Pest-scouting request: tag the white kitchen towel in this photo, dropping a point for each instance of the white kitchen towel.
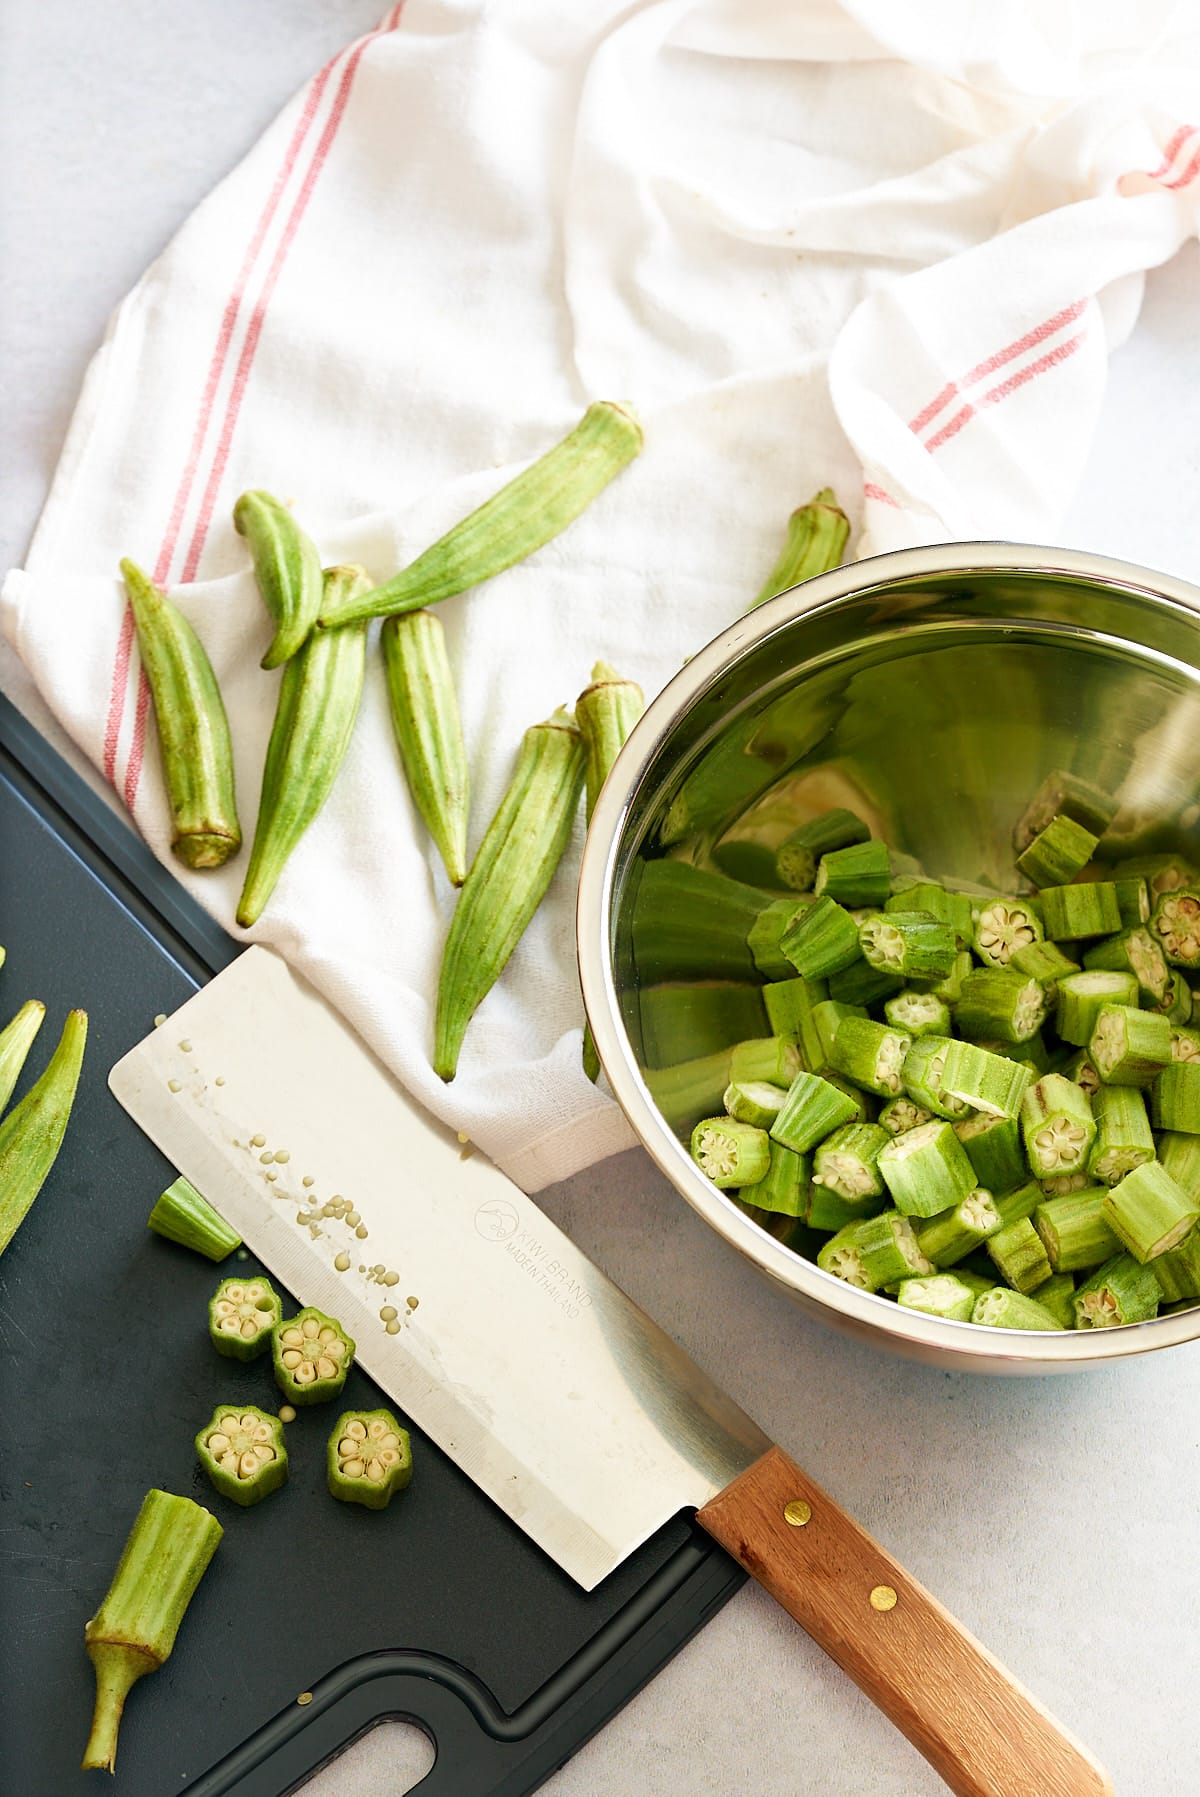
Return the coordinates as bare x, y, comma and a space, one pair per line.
885, 245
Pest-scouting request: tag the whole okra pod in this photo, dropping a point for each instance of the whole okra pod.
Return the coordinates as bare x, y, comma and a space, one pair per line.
508, 878
193, 731
605, 713
32, 1133
16, 1039
287, 568
133, 1631
318, 702
429, 731
526, 513
816, 541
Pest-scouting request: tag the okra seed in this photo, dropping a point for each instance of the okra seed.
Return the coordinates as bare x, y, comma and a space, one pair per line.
267, 1158
412, 1303
185, 1046
391, 1279
286, 1414
271, 1176
342, 1262
308, 1180
174, 1085
258, 1141
329, 1210
393, 1328
160, 1020
463, 1137
282, 1155
797, 1513
352, 1217
361, 1232
302, 1217
388, 1312
353, 1469
883, 1598
220, 1080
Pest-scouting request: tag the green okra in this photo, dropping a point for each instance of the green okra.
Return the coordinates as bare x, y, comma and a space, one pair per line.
428, 731
1070, 913
689, 1090
1003, 927
822, 940
525, 514
1121, 1291
938, 1295
797, 855
685, 1018
912, 944
783, 1188
1002, 1308
181, 1215
862, 984
816, 541
860, 874
605, 713
1178, 1270
828, 1015
1080, 1069
870, 1055
828, 1211
16, 1039
1061, 1185
508, 878
1123, 1135
918, 1013
1180, 1156
193, 731
1021, 1203
765, 934
812, 1109
1067, 795
1057, 1126
1129, 1047
953, 908
1057, 1295
1058, 852
1079, 996
994, 1149
846, 1162
1134, 951
922, 1077
368, 1458
287, 567
950, 988
950, 1235
133, 1631
999, 1002
771, 1058
241, 1315
731, 1153
753, 1101
1076, 1233
242, 1451
1044, 962
1133, 902
318, 702
873, 1252
1177, 1003
1176, 923
691, 924
1162, 873
32, 1132
926, 1170
987, 1082
902, 1113
789, 1005
1149, 1212
1020, 1255
310, 1355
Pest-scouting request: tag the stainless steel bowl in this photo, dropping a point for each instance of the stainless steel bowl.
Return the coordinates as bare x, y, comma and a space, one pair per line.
931, 690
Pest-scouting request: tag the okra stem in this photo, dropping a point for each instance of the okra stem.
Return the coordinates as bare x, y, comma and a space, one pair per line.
816, 541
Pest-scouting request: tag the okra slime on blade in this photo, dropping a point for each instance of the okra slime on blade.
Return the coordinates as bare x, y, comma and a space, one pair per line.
193, 731
318, 702
526, 513
287, 568
428, 731
510, 873
32, 1133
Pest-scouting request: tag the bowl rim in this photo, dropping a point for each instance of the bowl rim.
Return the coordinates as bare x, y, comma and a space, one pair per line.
907, 1330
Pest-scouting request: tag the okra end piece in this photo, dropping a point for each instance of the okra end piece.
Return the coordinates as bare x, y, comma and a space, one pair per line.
207, 848
243, 1453
182, 1215
241, 1315
368, 1459
311, 1354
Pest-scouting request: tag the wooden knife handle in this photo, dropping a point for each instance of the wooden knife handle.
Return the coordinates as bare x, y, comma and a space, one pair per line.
984, 1734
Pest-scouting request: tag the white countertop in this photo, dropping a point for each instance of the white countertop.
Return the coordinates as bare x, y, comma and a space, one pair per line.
1056, 1517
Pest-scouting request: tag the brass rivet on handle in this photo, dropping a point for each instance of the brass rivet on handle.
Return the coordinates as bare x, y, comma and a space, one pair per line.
305, 1697
883, 1598
797, 1513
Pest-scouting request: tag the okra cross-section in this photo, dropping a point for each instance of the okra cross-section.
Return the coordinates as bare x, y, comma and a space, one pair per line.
999, 1003
312, 1355
1121, 1291
874, 1252
1176, 923
368, 1459
989, 1082
870, 1055
910, 943
241, 1315
730, 1152
242, 1452
1057, 1126
1002, 927
1129, 1046
846, 1162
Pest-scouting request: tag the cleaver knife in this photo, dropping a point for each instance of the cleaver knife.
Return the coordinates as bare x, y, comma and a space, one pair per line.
563, 1401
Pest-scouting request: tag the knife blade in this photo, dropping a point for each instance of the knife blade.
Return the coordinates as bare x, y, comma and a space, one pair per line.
564, 1402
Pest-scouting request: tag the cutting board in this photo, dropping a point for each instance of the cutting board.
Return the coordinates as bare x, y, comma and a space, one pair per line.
437, 1609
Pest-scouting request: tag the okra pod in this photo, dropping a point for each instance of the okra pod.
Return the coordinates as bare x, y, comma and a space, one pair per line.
1121, 1291
938, 1295
828, 1016
1149, 1212
771, 1058
768, 930
753, 1101
605, 713
1058, 852
860, 874
133, 1631
525, 514
181, 1215
1075, 1230
812, 1110
926, 1170
1133, 902
1064, 794
994, 1149
789, 1006
870, 1055
287, 567
987, 1082
1044, 962
428, 731
922, 1077
1070, 913
845, 1163
1002, 1308
783, 1188
1175, 1098
1057, 1126
508, 878
1162, 873
1003, 927
953, 908
1123, 1135
950, 1235
1134, 951
1079, 996
1020, 1255
816, 541
691, 924
16, 1039
32, 1132
1023, 1202
1178, 1270
1176, 923
1129, 1047
862, 984
828, 1211
918, 1013
912, 944
873, 1252
823, 938
1180, 1156
193, 731
1057, 1295
999, 1002
689, 1090
318, 701
950, 988
731, 1153
797, 855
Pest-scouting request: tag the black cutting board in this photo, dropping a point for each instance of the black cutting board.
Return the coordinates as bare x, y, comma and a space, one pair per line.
437, 1609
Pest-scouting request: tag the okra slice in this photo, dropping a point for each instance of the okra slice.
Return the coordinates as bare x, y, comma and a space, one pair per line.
1134, 951
1179, 1155
428, 731
900, 1114
846, 1162
865, 1103
1129, 1047
988, 1082
783, 1188
1044, 962
1002, 1308
860, 874
287, 568
1002, 927
771, 1058
1020, 1203
918, 1013
861, 984
913, 944
1176, 923
1080, 1069
1063, 794
953, 908
870, 1055
828, 1212
1057, 1295
182, 1215
997, 1001
768, 930
1079, 996
1178, 1270
828, 1016
134, 1630
1071, 913
1121, 1291
1133, 900
1123, 1135
995, 1150
938, 1295
950, 988
1057, 1126
823, 938
926, 1170
243, 1453
368, 1458
790, 1004
1019, 1255
921, 1077
1175, 1098
797, 856
16, 1039
1148, 1212
311, 1354
730, 1152
812, 1110
873, 1252
950, 1235
1176, 1005
1162, 873
754, 1101
1061, 1185
1058, 852
241, 1315
1075, 1230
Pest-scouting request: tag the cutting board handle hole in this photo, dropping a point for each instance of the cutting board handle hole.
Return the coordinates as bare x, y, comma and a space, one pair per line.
390, 1756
